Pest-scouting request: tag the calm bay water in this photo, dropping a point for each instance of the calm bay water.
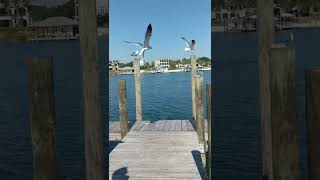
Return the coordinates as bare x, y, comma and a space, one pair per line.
15, 140
236, 132
164, 95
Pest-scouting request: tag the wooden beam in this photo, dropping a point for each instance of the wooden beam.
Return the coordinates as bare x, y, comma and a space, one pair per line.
137, 85
42, 119
93, 131
123, 108
209, 159
265, 30
200, 108
193, 93
283, 114
312, 94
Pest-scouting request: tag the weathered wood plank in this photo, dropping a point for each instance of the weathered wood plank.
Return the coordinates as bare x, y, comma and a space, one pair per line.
137, 85
178, 125
123, 108
156, 155
184, 125
167, 126
283, 114
265, 30
172, 125
312, 93
42, 118
93, 131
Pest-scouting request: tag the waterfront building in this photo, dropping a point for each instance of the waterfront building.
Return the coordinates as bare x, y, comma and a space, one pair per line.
142, 62
9, 16
126, 70
162, 63
55, 28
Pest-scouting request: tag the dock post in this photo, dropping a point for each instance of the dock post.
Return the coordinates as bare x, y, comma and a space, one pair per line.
123, 108
137, 83
200, 114
283, 114
42, 119
209, 159
312, 79
265, 30
93, 129
193, 93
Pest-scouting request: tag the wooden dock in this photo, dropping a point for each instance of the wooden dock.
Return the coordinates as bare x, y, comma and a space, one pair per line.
162, 149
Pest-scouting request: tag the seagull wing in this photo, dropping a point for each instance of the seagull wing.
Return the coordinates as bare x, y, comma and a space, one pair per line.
186, 41
147, 36
136, 43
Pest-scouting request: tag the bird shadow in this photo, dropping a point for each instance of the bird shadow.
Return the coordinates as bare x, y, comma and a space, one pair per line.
113, 144
120, 174
193, 123
130, 124
197, 159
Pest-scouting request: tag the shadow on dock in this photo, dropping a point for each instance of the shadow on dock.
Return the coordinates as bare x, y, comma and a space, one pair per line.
120, 174
112, 145
197, 159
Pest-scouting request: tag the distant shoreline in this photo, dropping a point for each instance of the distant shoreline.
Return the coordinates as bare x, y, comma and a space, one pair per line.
305, 23
112, 73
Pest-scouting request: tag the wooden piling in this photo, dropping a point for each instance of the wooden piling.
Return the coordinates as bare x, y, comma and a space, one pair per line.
283, 114
312, 77
265, 31
209, 159
42, 119
193, 93
93, 131
123, 108
199, 110
137, 83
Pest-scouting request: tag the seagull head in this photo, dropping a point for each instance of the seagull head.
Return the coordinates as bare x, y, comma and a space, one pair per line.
150, 47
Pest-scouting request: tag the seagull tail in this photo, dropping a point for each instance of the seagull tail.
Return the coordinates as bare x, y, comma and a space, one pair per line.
187, 49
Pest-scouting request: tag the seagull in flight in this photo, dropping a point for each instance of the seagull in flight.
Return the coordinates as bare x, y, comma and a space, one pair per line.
145, 46
190, 45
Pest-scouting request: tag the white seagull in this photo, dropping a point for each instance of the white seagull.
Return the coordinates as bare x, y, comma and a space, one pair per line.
145, 46
190, 46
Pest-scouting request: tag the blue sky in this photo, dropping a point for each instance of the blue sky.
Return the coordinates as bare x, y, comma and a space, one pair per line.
170, 19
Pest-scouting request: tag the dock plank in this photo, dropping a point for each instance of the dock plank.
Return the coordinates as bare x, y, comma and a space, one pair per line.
160, 154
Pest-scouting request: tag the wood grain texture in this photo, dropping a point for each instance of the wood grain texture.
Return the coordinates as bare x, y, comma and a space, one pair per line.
93, 131
156, 155
123, 109
312, 95
283, 114
137, 85
265, 29
42, 119
199, 109
193, 92
209, 159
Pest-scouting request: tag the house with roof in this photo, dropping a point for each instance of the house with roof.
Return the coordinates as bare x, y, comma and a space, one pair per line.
55, 28
10, 17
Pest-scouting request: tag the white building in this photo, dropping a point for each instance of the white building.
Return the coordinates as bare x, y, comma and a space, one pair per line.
142, 62
162, 63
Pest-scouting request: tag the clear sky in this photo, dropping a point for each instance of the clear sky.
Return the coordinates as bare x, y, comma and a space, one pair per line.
170, 19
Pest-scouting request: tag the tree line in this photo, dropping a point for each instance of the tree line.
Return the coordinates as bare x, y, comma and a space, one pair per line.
302, 5
205, 61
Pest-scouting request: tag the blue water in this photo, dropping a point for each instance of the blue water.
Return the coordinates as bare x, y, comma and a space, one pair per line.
15, 141
164, 95
236, 132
